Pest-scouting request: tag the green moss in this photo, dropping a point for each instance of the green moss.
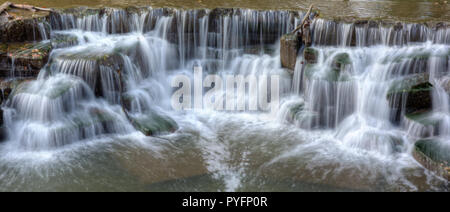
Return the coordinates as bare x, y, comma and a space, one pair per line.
153, 123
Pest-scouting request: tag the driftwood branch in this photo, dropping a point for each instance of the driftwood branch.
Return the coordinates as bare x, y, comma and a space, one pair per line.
304, 19
31, 8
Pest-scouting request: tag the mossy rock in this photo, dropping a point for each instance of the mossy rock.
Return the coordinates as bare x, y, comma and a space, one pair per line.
152, 124
310, 55
58, 88
289, 47
412, 94
406, 83
341, 60
331, 74
424, 118
434, 154
8, 86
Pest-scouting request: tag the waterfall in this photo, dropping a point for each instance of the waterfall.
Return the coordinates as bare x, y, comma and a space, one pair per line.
348, 90
111, 79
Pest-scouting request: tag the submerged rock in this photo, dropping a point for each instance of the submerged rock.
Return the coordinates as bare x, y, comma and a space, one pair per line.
421, 124
310, 55
290, 45
340, 61
63, 40
434, 155
24, 26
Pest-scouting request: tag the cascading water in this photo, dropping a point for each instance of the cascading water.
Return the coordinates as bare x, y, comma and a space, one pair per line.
86, 115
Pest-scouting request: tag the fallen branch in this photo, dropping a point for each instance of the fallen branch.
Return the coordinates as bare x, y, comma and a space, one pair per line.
304, 19
31, 8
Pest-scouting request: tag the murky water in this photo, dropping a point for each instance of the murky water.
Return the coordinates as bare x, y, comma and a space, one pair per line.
406, 10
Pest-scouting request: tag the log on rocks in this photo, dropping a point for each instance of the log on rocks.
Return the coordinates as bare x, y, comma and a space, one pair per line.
31, 8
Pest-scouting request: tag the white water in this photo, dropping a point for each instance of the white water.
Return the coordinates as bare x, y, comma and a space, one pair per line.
67, 129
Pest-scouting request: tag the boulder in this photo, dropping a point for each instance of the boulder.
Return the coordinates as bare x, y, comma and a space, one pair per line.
63, 40
290, 45
100, 70
434, 154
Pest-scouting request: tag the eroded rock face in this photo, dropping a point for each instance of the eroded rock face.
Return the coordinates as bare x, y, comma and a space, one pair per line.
290, 45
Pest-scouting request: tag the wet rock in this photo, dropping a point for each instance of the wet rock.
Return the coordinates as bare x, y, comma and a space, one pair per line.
310, 55
290, 45
412, 94
99, 70
8, 85
26, 58
434, 154
24, 26
445, 84
421, 124
63, 40
341, 61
